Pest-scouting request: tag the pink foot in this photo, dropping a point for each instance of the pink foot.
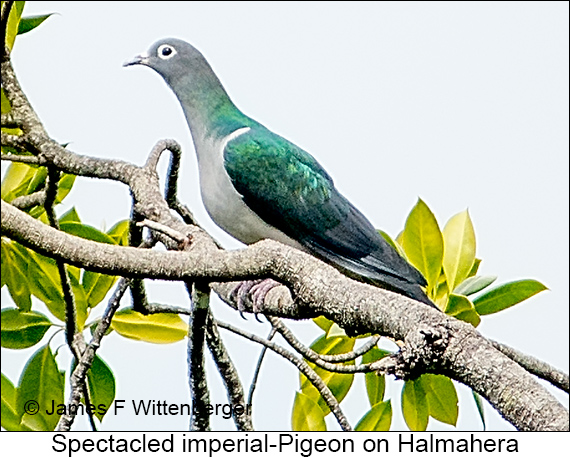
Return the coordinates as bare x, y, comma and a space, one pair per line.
257, 290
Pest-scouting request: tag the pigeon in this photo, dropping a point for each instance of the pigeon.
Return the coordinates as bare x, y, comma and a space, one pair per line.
257, 185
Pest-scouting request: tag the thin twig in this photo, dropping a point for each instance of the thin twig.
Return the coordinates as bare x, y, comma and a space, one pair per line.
24, 202
70, 312
223, 361
136, 285
155, 308
241, 411
138, 292
74, 338
537, 367
171, 190
303, 367
345, 357
180, 238
79, 374
313, 356
253, 385
31, 160
200, 419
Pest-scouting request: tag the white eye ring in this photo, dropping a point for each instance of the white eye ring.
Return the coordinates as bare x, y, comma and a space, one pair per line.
166, 51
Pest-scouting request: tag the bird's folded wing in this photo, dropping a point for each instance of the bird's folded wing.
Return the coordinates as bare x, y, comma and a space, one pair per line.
287, 188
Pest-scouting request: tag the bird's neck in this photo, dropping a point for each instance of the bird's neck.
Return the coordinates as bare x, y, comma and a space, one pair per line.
207, 106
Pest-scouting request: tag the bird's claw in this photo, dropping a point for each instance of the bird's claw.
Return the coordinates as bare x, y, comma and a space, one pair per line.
257, 290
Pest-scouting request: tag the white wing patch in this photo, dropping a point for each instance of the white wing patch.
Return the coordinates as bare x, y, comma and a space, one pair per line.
234, 135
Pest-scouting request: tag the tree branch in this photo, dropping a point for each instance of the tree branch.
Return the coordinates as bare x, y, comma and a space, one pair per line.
200, 419
31, 160
79, 374
319, 289
313, 356
229, 376
258, 367
74, 338
537, 367
303, 367
24, 202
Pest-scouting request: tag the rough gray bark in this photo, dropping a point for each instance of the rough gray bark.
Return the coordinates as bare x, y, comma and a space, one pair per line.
433, 342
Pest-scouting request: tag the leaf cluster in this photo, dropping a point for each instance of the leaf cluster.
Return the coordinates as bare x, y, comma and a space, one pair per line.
448, 261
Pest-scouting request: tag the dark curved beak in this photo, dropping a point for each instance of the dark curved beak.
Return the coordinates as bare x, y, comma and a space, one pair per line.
141, 59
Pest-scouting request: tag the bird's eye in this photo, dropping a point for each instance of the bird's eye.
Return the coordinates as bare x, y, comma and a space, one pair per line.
166, 51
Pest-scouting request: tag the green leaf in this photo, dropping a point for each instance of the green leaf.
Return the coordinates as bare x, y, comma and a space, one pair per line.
335, 330
85, 231
307, 415
97, 286
5, 106
120, 232
101, 386
456, 304
21, 329
462, 308
42, 382
64, 186
459, 252
441, 295
480, 408
378, 419
423, 243
37, 180
13, 22
154, 328
35, 423
474, 284
324, 323
23, 179
45, 283
15, 273
70, 216
338, 383
507, 295
475, 268
441, 398
375, 384
17, 180
415, 406
79, 299
31, 22
93, 325
10, 416
400, 238
470, 316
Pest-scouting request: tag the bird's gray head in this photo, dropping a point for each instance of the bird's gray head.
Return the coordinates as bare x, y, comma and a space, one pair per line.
173, 59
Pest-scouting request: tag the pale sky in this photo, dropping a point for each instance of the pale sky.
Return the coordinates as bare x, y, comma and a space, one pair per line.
464, 104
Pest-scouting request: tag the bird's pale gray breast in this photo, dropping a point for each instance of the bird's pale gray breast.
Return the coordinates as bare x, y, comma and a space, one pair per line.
223, 203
